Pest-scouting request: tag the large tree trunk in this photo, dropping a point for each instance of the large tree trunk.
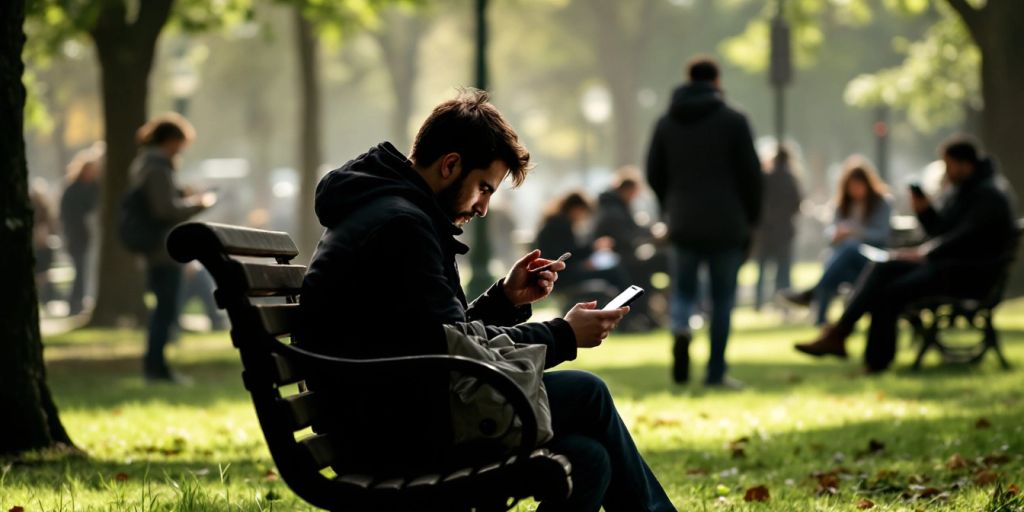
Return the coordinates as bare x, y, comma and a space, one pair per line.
31, 416
125, 53
309, 137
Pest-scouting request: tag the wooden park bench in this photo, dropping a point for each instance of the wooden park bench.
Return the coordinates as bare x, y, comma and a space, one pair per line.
259, 288
931, 316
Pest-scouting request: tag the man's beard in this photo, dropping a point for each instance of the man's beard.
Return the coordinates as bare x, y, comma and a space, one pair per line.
448, 198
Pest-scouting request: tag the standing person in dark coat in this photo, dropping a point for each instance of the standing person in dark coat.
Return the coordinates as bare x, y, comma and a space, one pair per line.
704, 169
80, 199
970, 238
161, 140
776, 233
383, 282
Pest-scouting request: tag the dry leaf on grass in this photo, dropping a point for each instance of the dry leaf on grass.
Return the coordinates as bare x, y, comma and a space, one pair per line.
16, 508
865, 504
121, 477
986, 477
757, 493
982, 424
956, 462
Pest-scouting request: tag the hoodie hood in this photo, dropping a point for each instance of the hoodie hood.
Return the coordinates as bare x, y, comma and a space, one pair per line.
381, 171
694, 101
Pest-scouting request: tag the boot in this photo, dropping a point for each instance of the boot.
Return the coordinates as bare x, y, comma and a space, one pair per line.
831, 342
681, 358
799, 298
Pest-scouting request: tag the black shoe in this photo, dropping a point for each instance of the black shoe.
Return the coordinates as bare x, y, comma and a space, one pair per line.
681, 358
798, 298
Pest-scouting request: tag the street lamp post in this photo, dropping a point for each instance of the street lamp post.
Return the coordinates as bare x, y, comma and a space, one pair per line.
781, 72
480, 256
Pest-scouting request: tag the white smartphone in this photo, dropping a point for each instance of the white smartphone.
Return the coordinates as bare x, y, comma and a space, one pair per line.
625, 298
873, 253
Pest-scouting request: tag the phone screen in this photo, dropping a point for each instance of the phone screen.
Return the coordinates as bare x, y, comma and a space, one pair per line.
625, 298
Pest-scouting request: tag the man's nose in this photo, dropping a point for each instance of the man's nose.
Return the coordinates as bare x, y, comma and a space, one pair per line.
480, 208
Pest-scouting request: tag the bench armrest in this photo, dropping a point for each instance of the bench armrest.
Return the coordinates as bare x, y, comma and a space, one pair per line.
482, 370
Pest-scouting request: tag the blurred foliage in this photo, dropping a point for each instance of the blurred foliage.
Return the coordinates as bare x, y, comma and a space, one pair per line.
939, 77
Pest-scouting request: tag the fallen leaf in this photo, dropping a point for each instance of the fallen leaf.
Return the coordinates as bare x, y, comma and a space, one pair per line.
982, 423
928, 492
828, 483
121, 477
865, 504
271, 476
1013, 490
956, 462
996, 459
17, 509
875, 446
986, 477
758, 493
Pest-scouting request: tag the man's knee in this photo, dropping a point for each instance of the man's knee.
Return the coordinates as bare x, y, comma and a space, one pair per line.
589, 386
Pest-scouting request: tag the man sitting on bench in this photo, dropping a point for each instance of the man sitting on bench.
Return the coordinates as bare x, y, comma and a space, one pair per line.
384, 280
972, 231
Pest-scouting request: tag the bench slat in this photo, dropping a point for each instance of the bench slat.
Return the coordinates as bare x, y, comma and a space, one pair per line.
266, 280
320, 448
241, 241
300, 410
278, 319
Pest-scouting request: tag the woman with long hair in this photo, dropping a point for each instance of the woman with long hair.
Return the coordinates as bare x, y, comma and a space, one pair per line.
863, 207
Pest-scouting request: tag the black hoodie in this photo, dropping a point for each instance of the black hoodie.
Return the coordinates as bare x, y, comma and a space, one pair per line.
383, 278
382, 282
976, 226
703, 167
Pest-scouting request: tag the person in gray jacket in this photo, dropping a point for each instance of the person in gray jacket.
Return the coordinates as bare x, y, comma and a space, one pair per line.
863, 208
704, 169
160, 141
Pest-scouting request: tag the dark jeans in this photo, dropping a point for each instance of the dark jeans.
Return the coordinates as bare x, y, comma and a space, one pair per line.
886, 289
723, 267
843, 266
165, 282
79, 260
607, 468
782, 257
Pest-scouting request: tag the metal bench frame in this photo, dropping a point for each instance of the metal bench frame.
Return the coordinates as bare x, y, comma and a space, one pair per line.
249, 265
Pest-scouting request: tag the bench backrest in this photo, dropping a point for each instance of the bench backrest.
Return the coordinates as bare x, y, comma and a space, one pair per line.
259, 288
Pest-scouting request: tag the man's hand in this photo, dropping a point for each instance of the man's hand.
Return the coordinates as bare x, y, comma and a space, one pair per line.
912, 254
919, 203
525, 287
592, 325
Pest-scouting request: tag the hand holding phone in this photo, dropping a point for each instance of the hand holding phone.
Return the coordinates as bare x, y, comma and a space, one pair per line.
551, 264
915, 190
625, 298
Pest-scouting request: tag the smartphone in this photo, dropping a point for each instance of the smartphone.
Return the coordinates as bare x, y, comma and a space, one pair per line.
549, 265
916, 190
625, 298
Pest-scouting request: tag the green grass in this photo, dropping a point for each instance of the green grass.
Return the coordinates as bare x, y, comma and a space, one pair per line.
199, 448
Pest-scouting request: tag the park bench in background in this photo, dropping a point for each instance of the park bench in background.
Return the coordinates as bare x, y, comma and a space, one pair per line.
930, 316
259, 289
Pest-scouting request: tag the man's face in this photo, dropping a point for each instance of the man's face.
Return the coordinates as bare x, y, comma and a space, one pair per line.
957, 171
470, 194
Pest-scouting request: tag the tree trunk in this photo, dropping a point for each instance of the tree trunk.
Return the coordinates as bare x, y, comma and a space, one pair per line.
400, 45
309, 137
125, 54
32, 420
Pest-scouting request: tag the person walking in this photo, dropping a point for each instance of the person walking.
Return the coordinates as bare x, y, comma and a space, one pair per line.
704, 169
77, 204
782, 198
152, 175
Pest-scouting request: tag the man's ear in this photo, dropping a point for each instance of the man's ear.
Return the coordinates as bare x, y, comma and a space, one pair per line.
451, 165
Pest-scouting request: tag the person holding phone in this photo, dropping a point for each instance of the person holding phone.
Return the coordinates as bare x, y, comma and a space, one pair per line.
383, 281
968, 237
862, 211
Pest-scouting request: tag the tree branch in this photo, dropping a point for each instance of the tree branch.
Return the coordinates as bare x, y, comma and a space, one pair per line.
970, 15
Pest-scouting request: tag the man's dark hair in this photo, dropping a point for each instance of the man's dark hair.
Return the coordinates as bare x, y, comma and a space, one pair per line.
160, 129
963, 148
472, 127
702, 69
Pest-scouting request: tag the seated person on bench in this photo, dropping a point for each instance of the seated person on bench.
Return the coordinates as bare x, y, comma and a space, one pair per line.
967, 236
383, 281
